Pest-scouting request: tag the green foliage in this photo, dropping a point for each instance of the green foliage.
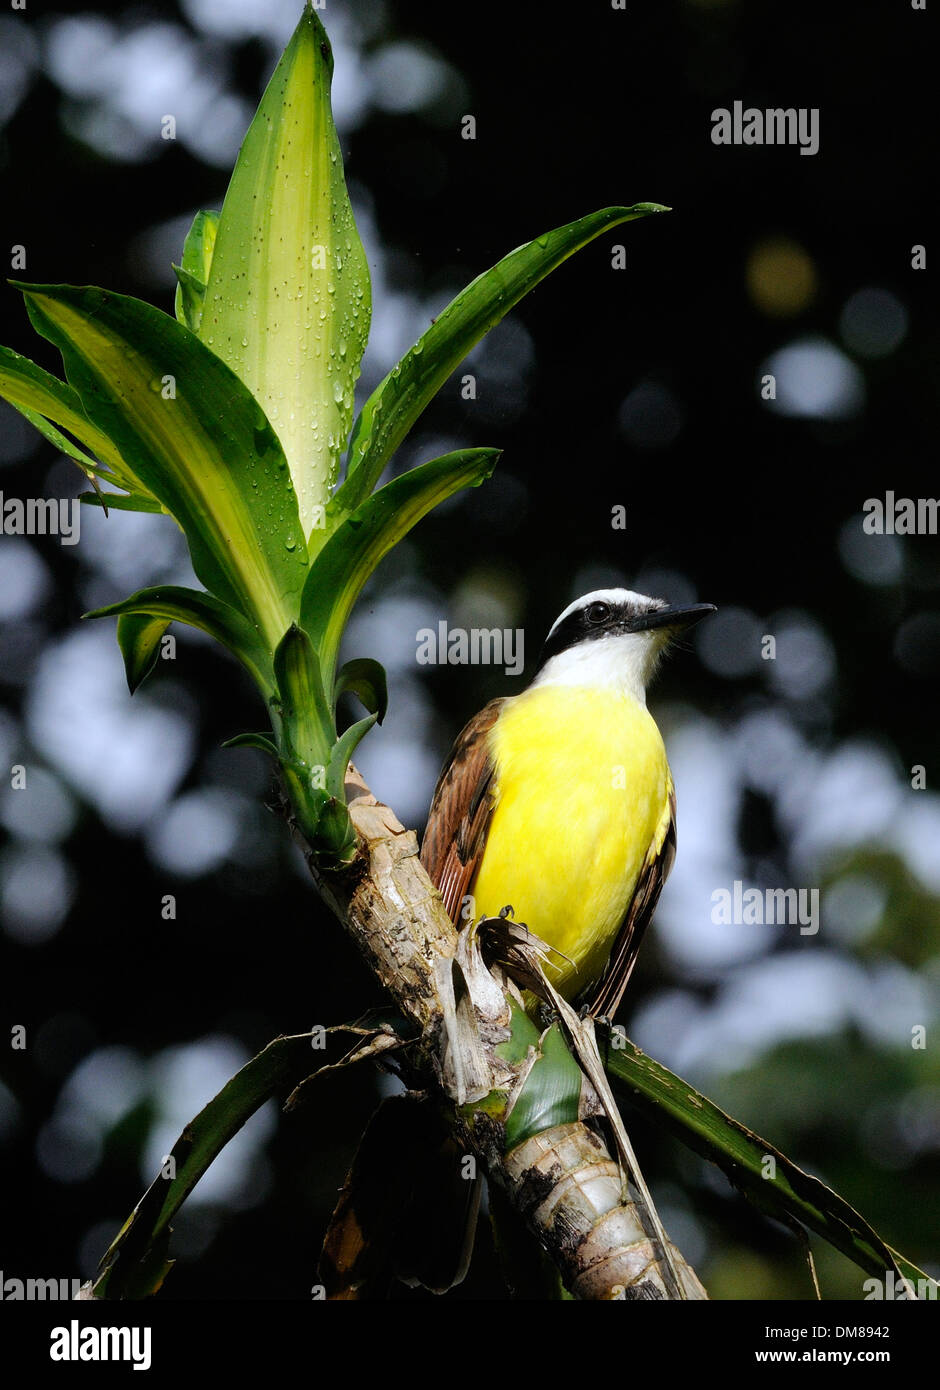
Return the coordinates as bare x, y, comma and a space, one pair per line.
366, 679
135, 1263
49, 403
288, 301
233, 418
195, 438
172, 603
765, 1175
366, 535
139, 636
399, 400
193, 274
551, 1092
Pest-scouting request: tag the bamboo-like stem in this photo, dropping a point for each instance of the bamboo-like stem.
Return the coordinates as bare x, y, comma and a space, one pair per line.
564, 1183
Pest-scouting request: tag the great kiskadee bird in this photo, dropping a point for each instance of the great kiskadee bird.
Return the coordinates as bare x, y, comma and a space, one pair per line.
559, 801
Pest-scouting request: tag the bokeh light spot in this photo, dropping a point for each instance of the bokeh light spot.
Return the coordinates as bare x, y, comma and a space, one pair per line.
781, 277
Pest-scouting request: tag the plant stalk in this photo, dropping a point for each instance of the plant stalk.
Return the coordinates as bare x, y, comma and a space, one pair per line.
564, 1183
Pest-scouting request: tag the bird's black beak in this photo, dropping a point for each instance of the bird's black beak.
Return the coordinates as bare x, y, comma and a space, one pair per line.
680, 616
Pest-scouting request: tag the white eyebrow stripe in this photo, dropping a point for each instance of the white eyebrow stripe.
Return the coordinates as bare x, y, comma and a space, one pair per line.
615, 596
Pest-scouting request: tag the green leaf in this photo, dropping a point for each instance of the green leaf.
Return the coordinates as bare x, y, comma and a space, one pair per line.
343, 750
523, 1035
199, 246
551, 1093
313, 761
141, 1242
171, 603
742, 1155
206, 452
89, 466
262, 741
190, 297
335, 839
193, 274
398, 401
139, 636
288, 300
366, 678
303, 705
359, 543
122, 501
43, 399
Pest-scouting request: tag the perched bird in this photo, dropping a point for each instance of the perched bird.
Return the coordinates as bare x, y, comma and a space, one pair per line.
559, 801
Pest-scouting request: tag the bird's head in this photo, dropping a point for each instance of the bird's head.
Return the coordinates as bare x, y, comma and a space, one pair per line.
613, 638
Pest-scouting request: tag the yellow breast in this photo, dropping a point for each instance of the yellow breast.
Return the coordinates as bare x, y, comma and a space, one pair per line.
581, 791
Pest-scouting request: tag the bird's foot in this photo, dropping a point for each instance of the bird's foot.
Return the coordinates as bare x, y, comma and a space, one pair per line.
545, 1015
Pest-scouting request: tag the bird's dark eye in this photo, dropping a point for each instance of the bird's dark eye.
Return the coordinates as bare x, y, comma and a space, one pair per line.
597, 612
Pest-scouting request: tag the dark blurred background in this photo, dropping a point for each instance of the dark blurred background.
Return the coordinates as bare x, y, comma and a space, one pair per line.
636, 387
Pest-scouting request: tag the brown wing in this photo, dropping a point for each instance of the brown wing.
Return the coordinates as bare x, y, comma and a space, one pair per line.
608, 991
460, 811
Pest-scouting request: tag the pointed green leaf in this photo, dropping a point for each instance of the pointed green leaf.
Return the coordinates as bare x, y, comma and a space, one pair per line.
306, 734
288, 300
359, 543
195, 437
398, 401
366, 678
139, 636
303, 704
335, 840
43, 399
305, 784
343, 750
122, 501
89, 466
551, 1093
282, 1064
700, 1124
262, 741
190, 297
193, 274
199, 246
171, 603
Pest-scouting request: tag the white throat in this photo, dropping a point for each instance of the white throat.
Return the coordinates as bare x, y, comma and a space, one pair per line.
623, 663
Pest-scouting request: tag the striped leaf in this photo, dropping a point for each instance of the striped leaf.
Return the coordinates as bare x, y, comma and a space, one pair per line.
171, 603
398, 401
305, 733
49, 403
125, 1268
359, 543
190, 297
303, 703
193, 435
288, 302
